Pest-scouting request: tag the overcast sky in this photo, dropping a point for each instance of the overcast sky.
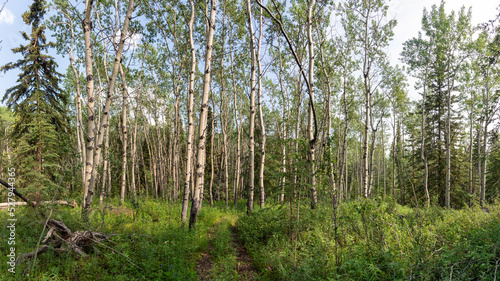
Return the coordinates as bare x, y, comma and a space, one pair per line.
408, 13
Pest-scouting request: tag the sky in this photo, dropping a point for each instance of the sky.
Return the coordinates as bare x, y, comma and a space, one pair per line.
408, 13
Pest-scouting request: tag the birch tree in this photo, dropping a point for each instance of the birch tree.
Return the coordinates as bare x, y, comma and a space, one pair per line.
94, 153
189, 145
201, 156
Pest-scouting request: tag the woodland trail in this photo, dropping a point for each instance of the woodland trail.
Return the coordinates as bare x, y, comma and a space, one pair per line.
241, 268
204, 265
246, 269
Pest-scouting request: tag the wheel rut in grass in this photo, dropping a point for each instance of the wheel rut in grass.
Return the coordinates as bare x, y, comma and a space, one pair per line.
213, 266
245, 267
204, 265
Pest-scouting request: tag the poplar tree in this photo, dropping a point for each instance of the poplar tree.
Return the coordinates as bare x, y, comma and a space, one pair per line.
40, 107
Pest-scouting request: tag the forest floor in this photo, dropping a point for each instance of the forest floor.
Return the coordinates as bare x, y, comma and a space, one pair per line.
367, 239
225, 251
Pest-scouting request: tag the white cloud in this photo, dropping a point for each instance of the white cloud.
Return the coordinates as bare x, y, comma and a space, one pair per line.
6, 16
131, 41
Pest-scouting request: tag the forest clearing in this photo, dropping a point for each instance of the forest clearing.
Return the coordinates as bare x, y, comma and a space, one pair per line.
249, 140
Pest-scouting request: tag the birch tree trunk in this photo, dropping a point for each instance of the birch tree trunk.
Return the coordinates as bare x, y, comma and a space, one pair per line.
285, 127
94, 153
201, 157
252, 111
329, 128
366, 75
125, 137
311, 120
261, 118
89, 164
105, 170
238, 129
189, 148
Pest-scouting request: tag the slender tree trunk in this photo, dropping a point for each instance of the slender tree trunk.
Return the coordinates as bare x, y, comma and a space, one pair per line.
105, 169
311, 120
261, 118
252, 111
134, 152
201, 157
448, 152
383, 159
471, 148
238, 129
134, 140
367, 84
212, 166
372, 150
189, 148
224, 113
343, 150
78, 102
423, 156
394, 156
297, 133
332, 182
89, 165
483, 156
125, 137
285, 123
94, 154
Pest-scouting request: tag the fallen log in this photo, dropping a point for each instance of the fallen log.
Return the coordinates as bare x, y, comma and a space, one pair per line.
6, 205
59, 237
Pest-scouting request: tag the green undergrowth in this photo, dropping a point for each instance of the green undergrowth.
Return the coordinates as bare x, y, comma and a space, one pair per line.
150, 234
374, 240
371, 240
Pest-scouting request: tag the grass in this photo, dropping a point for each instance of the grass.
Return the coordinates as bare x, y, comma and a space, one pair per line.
223, 253
150, 235
372, 240
375, 241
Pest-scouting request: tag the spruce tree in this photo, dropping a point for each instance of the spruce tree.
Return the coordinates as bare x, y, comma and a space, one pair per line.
40, 106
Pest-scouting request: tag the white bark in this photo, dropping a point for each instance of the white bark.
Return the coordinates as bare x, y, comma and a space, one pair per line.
201, 157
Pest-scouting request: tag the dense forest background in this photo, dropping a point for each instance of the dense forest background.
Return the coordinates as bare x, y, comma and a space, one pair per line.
294, 105
200, 102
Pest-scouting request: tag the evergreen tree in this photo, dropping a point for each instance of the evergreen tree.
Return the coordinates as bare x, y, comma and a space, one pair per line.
40, 108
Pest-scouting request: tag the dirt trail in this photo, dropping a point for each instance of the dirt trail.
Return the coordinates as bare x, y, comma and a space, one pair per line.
204, 265
246, 269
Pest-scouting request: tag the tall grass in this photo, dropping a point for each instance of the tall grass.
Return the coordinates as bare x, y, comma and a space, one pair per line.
150, 234
376, 240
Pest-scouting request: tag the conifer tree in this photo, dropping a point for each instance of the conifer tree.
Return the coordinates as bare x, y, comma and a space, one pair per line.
40, 108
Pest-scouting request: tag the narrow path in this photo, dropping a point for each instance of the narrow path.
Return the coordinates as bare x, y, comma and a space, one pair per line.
245, 268
209, 269
204, 265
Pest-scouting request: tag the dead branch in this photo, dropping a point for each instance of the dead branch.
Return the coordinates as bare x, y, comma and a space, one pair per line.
59, 236
6, 205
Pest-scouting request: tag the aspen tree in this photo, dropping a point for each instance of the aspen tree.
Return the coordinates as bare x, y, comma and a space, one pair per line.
252, 111
312, 120
238, 129
201, 157
94, 153
125, 136
190, 137
261, 117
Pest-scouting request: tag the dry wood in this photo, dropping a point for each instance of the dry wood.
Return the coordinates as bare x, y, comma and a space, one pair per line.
6, 205
60, 237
